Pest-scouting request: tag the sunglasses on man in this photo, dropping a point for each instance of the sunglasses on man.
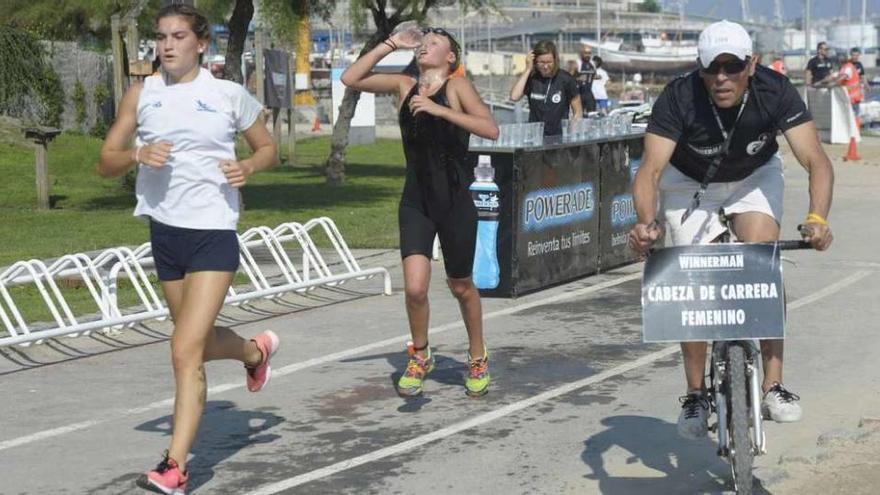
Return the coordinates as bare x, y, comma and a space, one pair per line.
731, 67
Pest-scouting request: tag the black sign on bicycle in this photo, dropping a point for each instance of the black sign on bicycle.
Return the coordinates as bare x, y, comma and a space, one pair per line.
713, 292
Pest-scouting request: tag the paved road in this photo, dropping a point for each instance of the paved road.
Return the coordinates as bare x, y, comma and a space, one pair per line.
578, 403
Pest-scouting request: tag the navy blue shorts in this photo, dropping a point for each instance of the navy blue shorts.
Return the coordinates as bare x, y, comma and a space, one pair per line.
178, 251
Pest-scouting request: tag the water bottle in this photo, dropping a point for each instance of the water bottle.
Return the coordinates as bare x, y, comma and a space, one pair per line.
409, 32
484, 192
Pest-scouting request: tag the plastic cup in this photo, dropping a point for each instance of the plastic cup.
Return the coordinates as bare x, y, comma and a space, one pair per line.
507, 135
518, 135
627, 122
534, 130
528, 137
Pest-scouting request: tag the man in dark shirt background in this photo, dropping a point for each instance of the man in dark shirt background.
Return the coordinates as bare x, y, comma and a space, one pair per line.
818, 73
585, 76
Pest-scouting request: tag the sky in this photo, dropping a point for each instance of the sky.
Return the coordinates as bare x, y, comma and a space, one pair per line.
792, 9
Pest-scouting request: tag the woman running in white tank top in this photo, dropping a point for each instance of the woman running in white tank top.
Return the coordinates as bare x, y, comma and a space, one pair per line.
187, 189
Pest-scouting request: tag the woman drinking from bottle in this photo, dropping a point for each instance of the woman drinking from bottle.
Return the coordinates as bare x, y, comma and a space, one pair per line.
437, 114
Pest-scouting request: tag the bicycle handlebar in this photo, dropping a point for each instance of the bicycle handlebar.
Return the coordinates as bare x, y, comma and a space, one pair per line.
786, 245
790, 245
795, 244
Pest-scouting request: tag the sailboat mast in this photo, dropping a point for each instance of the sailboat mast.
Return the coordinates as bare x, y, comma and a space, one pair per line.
598, 27
862, 28
807, 28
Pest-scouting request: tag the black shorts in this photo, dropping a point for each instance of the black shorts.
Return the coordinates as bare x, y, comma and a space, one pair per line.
588, 103
178, 251
457, 231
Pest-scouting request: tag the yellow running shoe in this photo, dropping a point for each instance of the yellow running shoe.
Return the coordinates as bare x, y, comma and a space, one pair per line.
417, 368
477, 381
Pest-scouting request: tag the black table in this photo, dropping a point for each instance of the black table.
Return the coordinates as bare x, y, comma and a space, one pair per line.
565, 210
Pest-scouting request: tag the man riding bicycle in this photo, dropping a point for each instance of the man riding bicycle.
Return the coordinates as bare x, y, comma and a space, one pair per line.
717, 128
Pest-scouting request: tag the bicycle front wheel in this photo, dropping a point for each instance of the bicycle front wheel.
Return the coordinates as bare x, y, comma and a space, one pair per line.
741, 452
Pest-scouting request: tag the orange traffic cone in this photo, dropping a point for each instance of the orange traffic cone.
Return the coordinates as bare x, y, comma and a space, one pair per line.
852, 154
317, 125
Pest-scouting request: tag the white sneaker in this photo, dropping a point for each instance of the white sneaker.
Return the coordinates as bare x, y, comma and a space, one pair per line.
780, 405
693, 422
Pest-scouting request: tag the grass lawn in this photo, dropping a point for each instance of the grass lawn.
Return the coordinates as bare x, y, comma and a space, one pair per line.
93, 213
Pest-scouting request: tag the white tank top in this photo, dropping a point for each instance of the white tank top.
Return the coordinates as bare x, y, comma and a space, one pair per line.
200, 118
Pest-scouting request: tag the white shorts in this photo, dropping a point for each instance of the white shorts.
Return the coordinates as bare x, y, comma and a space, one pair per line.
760, 192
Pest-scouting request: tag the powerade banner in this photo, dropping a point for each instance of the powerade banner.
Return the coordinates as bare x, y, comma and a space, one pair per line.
277, 80
557, 216
620, 160
713, 292
547, 208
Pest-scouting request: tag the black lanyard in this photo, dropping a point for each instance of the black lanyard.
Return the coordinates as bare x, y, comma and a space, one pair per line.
549, 86
716, 162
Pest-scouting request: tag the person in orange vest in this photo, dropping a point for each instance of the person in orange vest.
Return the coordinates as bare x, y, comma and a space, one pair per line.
856, 53
778, 65
849, 78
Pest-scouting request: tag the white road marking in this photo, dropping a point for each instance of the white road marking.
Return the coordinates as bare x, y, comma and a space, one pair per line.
329, 358
464, 425
830, 289
482, 419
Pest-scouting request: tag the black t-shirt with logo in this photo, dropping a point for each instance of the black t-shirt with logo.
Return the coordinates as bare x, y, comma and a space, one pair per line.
820, 68
549, 99
683, 113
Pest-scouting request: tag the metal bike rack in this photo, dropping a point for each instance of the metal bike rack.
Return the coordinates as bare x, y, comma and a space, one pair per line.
296, 266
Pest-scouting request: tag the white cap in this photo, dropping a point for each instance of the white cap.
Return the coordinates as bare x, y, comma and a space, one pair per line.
723, 37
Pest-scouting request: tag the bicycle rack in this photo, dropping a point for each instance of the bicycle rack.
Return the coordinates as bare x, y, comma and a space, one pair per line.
288, 244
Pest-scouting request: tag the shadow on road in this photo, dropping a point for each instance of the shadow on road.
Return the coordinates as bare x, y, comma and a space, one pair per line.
224, 431
685, 466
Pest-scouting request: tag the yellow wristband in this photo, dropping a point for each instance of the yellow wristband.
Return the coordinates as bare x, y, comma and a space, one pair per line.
816, 218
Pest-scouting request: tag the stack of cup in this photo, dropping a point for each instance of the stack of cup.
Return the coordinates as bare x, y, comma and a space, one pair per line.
627, 122
538, 133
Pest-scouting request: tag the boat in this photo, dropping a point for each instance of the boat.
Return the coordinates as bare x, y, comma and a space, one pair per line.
653, 53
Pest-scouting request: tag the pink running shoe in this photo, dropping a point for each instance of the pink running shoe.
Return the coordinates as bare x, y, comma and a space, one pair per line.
166, 478
258, 376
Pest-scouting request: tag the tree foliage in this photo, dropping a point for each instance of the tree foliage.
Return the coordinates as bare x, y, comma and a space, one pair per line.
71, 20
89, 20
651, 6
385, 17
282, 15
30, 89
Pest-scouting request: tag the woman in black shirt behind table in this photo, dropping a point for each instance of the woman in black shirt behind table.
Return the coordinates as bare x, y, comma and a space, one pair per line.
551, 91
